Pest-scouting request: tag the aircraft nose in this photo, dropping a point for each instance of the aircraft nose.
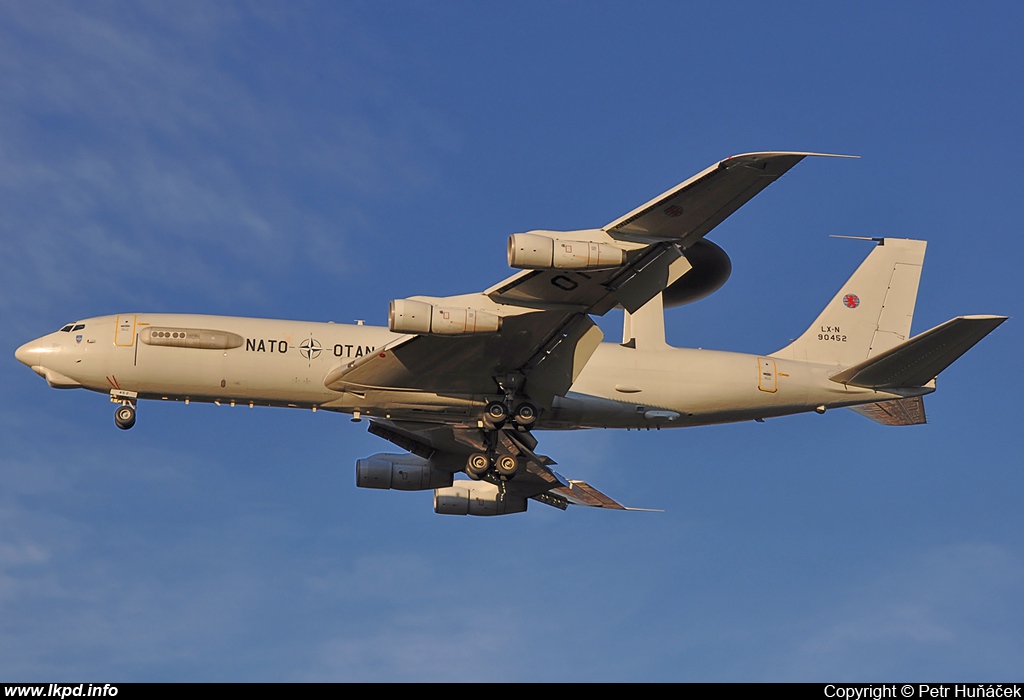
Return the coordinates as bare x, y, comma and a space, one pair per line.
28, 354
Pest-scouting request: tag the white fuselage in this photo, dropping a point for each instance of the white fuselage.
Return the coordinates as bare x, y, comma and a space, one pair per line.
267, 362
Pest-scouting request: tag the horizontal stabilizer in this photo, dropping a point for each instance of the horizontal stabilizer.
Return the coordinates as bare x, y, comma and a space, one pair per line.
917, 361
909, 411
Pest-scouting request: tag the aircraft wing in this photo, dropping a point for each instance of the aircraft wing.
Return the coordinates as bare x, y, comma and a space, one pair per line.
447, 447
546, 349
663, 228
651, 270
691, 209
546, 335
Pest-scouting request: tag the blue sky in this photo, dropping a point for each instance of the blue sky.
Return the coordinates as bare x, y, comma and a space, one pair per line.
318, 160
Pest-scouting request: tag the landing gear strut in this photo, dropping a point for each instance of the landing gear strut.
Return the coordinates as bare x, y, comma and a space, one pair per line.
124, 416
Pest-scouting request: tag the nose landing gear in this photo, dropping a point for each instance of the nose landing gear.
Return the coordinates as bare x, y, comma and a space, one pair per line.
124, 416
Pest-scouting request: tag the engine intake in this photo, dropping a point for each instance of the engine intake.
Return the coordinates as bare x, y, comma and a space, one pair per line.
421, 318
404, 472
476, 498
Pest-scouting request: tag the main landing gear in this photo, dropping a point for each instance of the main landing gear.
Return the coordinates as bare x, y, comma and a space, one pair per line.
480, 463
497, 415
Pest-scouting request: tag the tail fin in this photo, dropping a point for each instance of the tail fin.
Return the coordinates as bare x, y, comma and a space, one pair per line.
871, 313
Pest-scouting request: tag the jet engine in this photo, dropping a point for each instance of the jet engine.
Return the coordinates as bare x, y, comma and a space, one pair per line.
532, 251
476, 498
405, 472
421, 318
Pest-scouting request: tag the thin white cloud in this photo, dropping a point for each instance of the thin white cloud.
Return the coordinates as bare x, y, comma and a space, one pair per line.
414, 651
148, 147
943, 611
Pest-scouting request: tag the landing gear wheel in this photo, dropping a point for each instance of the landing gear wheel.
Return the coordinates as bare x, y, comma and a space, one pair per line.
124, 417
477, 465
496, 413
526, 415
507, 467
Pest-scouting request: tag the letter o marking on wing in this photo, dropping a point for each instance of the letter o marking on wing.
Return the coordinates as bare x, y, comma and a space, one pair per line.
564, 283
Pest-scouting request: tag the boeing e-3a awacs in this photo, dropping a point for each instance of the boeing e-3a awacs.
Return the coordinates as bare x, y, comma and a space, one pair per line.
461, 383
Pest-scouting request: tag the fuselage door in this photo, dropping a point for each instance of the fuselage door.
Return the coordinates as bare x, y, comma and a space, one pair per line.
124, 334
767, 378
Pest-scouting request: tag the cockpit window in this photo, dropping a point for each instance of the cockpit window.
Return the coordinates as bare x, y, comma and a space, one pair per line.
78, 327
67, 328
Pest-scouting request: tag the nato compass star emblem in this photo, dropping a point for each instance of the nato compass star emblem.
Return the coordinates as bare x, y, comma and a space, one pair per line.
310, 349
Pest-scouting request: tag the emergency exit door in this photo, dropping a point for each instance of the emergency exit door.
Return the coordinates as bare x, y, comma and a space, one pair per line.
767, 379
124, 334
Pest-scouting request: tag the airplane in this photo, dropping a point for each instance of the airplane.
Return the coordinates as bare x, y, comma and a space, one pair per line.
462, 383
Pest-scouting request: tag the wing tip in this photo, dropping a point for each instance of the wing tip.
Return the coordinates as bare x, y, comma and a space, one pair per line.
580, 493
985, 317
802, 154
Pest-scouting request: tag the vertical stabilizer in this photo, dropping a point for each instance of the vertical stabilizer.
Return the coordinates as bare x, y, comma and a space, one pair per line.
871, 312
645, 329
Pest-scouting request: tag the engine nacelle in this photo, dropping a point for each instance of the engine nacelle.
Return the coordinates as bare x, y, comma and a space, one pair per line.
532, 251
404, 472
476, 498
421, 318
